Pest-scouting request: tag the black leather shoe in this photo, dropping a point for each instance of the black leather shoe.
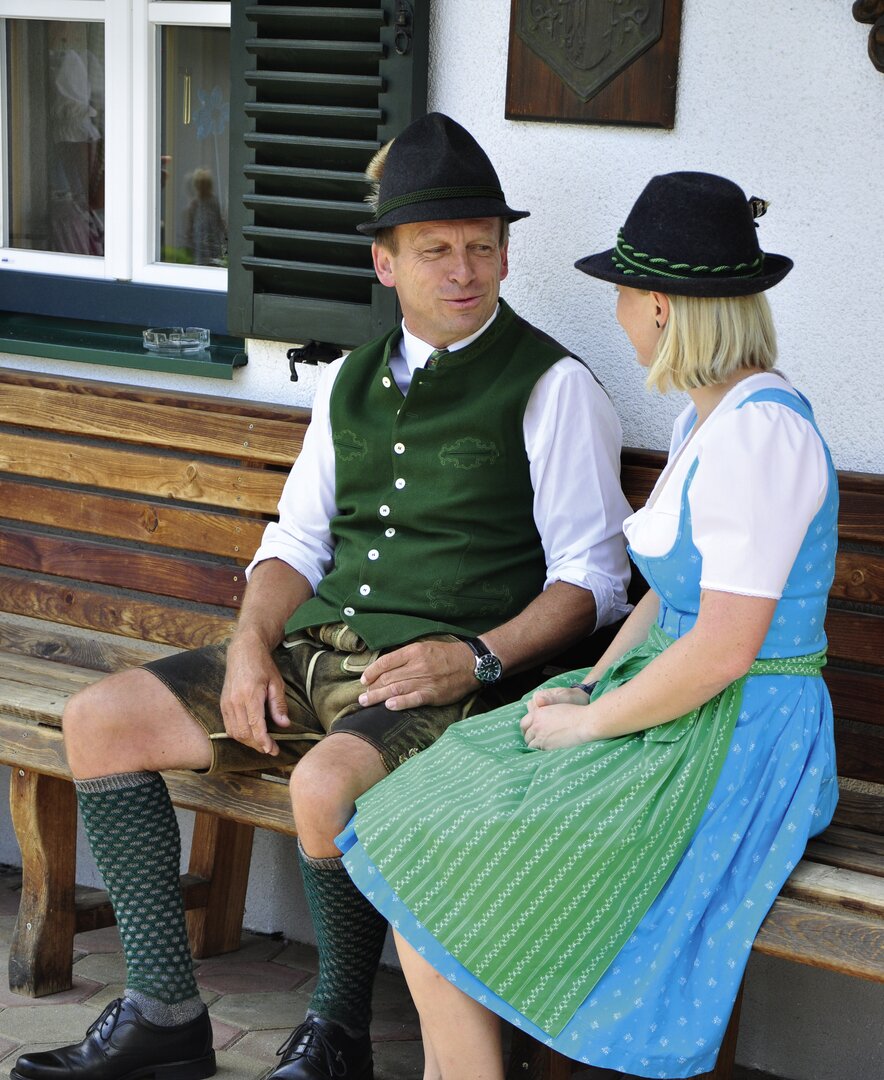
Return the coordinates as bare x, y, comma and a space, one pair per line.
320, 1049
122, 1045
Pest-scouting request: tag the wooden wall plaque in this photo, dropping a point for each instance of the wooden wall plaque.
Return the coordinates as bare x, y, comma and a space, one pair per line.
594, 61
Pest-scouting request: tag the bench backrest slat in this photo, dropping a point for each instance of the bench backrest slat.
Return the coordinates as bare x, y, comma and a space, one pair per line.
257, 439
190, 578
153, 523
112, 611
149, 472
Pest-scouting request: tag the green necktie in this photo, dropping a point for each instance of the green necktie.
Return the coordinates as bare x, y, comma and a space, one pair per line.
434, 357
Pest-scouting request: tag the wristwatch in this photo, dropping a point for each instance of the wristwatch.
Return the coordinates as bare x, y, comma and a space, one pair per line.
488, 667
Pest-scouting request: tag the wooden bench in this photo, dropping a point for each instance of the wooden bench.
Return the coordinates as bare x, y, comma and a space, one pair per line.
830, 913
129, 515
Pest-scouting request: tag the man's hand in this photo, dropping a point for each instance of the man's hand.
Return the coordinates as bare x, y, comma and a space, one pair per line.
253, 688
556, 719
423, 673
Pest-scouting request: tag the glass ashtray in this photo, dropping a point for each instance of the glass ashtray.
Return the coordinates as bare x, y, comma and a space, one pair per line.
177, 339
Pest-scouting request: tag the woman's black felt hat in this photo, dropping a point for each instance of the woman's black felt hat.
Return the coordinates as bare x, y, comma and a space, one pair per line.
436, 171
690, 234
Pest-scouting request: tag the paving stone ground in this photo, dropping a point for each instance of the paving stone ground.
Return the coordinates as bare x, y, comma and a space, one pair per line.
255, 997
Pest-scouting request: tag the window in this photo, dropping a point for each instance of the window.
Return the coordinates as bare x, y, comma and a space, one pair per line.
202, 161
115, 140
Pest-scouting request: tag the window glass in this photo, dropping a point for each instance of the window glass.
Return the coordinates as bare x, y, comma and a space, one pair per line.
194, 125
55, 95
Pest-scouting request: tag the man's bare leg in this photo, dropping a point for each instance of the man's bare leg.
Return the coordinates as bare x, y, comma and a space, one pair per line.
349, 932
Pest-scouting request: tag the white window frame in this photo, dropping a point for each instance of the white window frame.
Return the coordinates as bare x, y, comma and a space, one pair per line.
131, 38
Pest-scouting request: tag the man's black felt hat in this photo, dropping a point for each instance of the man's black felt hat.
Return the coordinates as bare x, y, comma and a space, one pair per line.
436, 171
690, 234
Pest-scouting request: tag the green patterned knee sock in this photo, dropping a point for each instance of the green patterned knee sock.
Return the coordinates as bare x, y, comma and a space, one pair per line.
350, 935
133, 833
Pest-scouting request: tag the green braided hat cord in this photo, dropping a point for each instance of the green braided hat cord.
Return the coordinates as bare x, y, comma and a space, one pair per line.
629, 261
431, 194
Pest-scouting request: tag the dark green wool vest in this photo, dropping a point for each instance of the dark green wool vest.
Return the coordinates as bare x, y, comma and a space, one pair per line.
435, 529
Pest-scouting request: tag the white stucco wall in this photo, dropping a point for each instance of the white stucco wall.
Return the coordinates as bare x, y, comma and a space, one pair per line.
780, 96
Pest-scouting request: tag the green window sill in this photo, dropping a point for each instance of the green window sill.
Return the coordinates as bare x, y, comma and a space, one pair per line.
113, 345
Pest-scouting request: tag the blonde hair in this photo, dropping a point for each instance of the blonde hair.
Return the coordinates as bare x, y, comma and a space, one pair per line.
707, 339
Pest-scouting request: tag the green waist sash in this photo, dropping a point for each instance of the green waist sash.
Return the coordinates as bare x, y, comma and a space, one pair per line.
533, 867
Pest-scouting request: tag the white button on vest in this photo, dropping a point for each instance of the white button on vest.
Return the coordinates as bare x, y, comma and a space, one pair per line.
399, 447
400, 483
365, 589
390, 532
386, 382
384, 510
349, 612
374, 554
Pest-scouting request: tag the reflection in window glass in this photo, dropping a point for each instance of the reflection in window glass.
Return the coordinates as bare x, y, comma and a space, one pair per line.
194, 145
56, 135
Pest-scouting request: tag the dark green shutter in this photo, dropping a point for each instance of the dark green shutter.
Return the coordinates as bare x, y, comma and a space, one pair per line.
317, 88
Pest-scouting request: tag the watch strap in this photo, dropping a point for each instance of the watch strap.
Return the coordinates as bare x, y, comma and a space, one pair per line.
478, 646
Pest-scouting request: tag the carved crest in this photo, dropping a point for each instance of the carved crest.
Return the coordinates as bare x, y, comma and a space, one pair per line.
588, 42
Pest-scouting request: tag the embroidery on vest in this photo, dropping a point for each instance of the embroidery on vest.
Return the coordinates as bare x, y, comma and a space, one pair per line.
349, 446
469, 453
492, 600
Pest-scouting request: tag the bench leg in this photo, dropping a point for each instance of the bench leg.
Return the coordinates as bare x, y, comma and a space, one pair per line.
44, 814
531, 1060
220, 853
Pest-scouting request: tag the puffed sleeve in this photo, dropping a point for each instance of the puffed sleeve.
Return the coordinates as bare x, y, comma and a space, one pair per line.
761, 477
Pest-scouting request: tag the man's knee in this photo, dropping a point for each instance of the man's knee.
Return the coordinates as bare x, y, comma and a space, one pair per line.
327, 781
129, 722
92, 706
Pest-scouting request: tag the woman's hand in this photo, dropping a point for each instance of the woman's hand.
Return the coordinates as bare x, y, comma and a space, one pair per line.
556, 719
560, 695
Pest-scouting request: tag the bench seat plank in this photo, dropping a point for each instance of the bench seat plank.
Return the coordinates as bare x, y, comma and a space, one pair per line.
246, 798
822, 938
90, 649
32, 671
836, 886
832, 850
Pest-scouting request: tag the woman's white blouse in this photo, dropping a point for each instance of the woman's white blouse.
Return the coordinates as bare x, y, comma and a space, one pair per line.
761, 477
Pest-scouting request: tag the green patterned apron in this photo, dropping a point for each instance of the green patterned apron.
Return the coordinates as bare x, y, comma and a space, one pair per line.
533, 867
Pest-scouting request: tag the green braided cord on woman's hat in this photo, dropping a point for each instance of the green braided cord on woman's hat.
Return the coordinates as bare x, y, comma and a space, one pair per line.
431, 194
630, 261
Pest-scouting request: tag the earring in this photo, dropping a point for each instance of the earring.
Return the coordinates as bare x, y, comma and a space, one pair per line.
657, 323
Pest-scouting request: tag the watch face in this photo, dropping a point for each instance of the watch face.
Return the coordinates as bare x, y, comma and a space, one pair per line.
488, 668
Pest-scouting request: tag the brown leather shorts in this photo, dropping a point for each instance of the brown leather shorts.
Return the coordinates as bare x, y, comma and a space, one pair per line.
321, 669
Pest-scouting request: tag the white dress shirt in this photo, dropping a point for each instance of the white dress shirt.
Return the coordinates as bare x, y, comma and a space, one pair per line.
747, 531
572, 439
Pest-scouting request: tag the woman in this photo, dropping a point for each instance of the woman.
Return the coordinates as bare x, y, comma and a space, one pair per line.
592, 864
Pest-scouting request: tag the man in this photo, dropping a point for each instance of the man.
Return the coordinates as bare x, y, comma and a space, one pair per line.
454, 516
